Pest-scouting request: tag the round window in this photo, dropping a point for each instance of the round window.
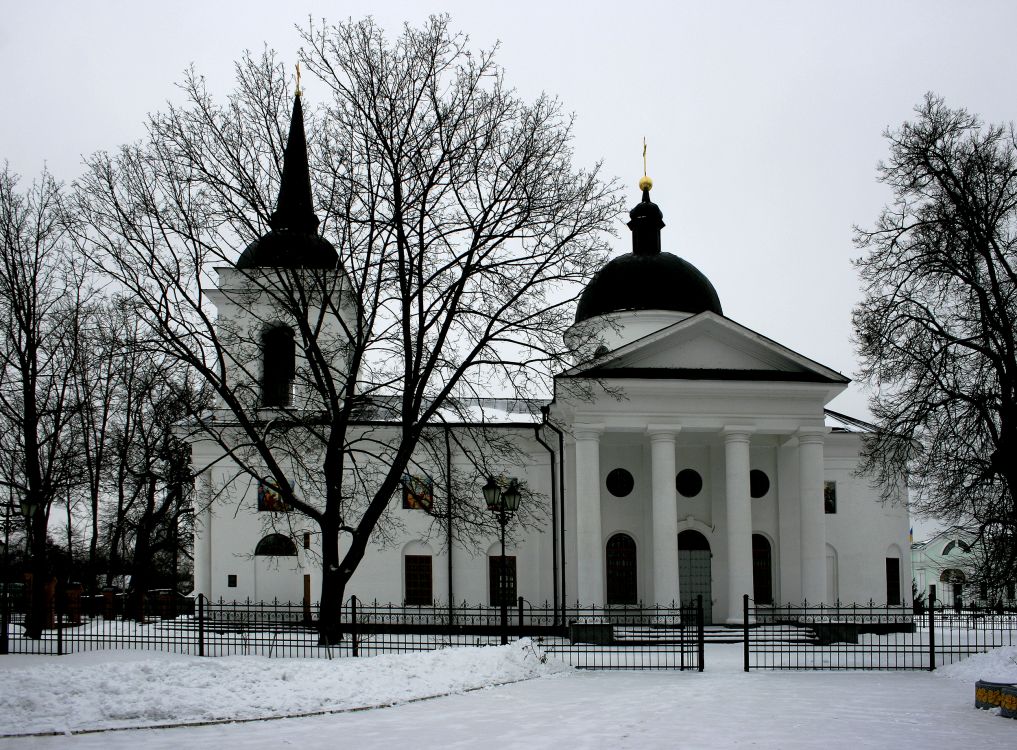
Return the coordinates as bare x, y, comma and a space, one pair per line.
619, 482
688, 483
759, 483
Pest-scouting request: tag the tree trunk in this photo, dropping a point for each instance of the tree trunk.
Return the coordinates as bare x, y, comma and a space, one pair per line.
141, 564
333, 587
37, 616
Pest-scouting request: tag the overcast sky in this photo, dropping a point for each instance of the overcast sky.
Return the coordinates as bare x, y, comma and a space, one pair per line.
764, 119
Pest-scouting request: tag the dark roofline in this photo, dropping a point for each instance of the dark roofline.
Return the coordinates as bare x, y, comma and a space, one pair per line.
689, 373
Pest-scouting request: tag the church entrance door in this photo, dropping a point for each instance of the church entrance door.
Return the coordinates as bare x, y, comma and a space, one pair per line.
762, 570
694, 571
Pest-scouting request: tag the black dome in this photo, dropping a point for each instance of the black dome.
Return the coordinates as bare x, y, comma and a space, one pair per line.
648, 282
646, 278
284, 248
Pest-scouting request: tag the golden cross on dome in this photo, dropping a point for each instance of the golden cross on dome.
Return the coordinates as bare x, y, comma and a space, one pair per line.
645, 183
299, 92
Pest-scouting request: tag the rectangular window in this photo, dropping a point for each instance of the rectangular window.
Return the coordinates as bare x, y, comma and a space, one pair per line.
892, 580
269, 498
418, 580
502, 590
307, 540
231, 581
830, 497
418, 492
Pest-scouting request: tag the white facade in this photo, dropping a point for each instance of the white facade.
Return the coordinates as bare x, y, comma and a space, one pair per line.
702, 394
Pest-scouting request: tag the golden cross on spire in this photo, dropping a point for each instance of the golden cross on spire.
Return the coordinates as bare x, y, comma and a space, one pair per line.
299, 92
645, 183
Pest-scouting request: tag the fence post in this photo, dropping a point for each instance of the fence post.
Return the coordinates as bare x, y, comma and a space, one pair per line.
354, 645
932, 627
520, 612
58, 600
744, 631
201, 624
700, 631
5, 614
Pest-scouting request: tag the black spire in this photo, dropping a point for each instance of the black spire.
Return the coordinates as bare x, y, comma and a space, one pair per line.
293, 241
294, 210
646, 221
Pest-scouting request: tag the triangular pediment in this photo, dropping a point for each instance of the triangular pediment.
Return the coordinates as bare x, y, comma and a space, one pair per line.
707, 346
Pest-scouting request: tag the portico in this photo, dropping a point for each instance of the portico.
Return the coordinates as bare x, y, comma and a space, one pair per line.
653, 511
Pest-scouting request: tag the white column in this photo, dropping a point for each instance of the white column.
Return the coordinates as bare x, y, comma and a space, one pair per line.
810, 487
665, 515
739, 519
589, 537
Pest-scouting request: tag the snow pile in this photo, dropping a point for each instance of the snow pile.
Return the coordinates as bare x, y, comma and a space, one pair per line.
996, 665
117, 689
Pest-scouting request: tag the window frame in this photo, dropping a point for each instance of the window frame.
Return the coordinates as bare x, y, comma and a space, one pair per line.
830, 497
495, 590
278, 366
622, 575
418, 585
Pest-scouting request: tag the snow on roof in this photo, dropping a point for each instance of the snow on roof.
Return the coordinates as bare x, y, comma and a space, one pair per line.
843, 423
494, 410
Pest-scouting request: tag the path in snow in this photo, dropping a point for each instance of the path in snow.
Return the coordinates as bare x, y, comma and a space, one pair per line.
722, 707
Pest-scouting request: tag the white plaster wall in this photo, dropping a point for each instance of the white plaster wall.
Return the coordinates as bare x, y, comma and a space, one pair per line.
861, 532
864, 528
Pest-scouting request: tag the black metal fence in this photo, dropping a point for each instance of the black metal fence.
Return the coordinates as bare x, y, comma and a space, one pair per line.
869, 636
586, 637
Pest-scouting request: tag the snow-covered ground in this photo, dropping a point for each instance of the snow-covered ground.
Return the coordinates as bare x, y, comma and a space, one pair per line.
505, 697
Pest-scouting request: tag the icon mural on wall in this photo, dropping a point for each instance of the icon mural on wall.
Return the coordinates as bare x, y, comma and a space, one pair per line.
418, 492
269, 497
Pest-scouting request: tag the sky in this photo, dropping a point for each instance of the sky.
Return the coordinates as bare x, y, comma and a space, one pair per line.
764, 121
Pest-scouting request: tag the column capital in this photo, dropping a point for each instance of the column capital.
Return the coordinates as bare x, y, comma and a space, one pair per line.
734, 433
663, 431
587, 431
811, 435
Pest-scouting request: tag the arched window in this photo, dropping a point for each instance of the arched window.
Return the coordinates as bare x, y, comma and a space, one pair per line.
621, 570
958, 544
832, 579
279, 360
276, 545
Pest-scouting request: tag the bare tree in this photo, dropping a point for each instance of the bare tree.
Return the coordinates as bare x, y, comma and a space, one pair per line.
99, 378
40, 304
937, 328
456, 236
157, 478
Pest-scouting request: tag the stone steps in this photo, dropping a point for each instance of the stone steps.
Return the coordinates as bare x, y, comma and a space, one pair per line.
716, 634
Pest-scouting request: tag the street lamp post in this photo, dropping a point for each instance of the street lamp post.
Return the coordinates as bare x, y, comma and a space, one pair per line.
33, 615
504, 504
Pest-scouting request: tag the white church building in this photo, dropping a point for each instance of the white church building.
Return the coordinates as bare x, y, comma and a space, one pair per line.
700, 460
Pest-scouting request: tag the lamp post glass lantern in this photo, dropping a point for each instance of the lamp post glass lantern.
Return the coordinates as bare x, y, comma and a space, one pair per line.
504, 503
